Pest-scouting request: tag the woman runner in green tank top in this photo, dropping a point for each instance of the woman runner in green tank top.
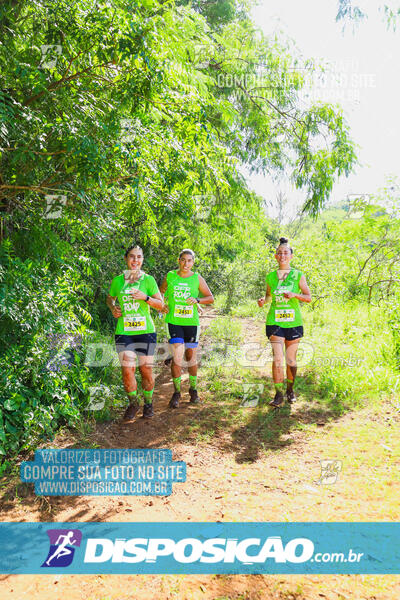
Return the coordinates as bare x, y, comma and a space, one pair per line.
284, 327
183, 291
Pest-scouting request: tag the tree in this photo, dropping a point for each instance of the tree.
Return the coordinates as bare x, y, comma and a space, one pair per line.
117, 117
350, 10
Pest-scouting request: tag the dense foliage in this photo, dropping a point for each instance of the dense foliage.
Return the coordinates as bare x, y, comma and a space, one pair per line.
124, 121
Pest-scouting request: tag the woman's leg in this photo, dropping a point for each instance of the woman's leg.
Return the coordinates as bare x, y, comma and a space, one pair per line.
191, 359
127, 360
291, 366
176, 372
146, 371
277, 368
176, 364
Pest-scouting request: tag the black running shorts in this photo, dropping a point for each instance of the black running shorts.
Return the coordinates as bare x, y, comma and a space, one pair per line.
141, 343
289, 333
184, 334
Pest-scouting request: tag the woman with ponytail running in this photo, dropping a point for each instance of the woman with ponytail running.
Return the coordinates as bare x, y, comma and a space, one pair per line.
286, 287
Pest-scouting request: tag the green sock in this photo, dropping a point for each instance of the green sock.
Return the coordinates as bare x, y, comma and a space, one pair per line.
289, 384
177, 383
193, 381
279, 387
132, 396
148, 396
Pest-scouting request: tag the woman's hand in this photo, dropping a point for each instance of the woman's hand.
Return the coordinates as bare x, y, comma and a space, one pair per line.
191, 300
261, 302
116, 312
138, 295
289, 295
165, 309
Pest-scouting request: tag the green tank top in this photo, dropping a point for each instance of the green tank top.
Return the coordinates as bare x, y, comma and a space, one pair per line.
178, 289
136, 318
283, 311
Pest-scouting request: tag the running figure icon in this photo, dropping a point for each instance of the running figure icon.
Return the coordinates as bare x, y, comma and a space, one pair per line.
62, 549
63, 543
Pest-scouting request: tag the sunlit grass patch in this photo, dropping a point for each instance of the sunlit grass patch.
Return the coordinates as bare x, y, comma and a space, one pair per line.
250, 309
353, 358
224, 329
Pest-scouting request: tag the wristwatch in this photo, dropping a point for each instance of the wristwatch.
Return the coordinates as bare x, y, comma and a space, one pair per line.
147, 299
198, 301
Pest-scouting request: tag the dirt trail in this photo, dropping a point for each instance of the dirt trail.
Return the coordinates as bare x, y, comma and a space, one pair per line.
229, 478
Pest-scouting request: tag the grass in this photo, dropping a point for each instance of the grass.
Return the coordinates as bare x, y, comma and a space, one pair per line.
224, 329
353, 358
250, 309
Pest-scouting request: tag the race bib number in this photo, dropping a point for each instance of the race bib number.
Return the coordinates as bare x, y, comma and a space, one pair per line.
135, 323
183, 311
284, 315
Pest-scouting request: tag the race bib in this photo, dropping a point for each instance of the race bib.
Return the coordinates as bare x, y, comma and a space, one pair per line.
284, 315
183, 311
135, 323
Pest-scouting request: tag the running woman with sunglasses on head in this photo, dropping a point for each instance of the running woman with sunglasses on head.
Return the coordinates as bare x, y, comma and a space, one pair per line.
135, 334
183, 291
287, 287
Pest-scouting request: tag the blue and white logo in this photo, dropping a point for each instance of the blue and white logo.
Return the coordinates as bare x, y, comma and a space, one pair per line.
63, 543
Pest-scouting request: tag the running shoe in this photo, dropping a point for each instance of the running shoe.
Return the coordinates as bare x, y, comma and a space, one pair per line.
194, 396
148, 411
278, 400
174, 402
290, 396
131, 412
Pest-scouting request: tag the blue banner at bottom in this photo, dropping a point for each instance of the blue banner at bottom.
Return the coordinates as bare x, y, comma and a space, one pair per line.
195, 548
